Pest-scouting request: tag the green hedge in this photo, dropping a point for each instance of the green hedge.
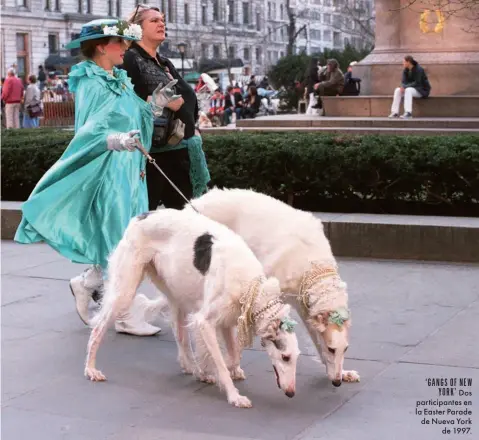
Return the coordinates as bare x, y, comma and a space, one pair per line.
376, 174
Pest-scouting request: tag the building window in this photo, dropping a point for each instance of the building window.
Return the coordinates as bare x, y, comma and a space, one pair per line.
52, 43
204, 15
204, 51
232, 52
246, 53
57, 5
187, 13
258, 54
88, 7
258, 21
245, 13
216, 52
118, 8
110, 8
231, 11
22, 3
171, 11
281, 12
216, 8
269, 11
327, 18
47, 5
80, 6
23, 59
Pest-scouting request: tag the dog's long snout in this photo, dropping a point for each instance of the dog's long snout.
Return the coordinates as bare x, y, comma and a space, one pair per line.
337, 383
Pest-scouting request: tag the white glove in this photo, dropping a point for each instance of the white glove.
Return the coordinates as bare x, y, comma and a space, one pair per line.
161, 97
122, 141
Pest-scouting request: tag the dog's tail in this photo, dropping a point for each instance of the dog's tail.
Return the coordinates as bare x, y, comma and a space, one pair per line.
126, 268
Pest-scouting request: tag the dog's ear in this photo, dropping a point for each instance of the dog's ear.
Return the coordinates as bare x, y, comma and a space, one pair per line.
321, 321
271, 332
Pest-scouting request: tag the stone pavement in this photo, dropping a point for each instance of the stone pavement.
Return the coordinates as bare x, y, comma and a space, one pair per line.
411, 321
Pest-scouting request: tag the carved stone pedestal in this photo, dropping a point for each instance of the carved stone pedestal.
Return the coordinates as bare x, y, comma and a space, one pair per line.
440, 43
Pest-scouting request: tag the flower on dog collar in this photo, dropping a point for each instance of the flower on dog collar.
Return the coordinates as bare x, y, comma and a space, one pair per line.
287, 325
339, 316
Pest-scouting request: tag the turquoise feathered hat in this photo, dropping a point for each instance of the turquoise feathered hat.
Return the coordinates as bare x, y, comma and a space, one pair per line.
107, 27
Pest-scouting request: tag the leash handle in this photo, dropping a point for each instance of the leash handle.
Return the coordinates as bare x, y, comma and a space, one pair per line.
145, 153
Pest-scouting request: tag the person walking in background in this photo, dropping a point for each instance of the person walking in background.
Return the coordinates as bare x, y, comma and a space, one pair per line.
32, 104
42, 77
414, 84
12, 95
178, 151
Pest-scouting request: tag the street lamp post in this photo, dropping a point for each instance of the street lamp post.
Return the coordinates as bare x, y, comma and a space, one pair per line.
182, 49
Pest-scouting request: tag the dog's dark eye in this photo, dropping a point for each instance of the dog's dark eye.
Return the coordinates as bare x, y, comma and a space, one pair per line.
286, 358
332, 350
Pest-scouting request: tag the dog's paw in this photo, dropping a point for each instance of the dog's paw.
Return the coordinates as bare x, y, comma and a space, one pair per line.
237, 374
351, 376
241, 402
94, 375
207, 378
186, 367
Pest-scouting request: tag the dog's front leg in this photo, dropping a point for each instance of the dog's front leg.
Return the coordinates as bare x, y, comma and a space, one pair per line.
208, 333
183, 342
234, 355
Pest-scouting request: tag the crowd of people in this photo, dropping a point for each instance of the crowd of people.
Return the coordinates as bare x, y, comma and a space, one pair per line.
22, 100
236, 102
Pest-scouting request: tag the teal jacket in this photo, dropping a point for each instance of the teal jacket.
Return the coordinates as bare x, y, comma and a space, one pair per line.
83, 204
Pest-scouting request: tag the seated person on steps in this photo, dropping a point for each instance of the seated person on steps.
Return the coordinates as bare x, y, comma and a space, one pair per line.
415, 84
331, 81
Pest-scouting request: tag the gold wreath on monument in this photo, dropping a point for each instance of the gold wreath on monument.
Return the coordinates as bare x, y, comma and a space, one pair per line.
424, 25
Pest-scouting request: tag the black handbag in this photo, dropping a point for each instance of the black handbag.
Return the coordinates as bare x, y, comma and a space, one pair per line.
168, 130
35, 110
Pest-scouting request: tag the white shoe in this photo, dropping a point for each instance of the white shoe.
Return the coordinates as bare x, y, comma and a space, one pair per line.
83, 287
134, 321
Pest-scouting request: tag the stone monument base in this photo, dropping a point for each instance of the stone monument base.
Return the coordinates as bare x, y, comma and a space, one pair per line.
450, 73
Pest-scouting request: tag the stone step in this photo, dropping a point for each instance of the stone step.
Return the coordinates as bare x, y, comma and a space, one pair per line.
435, 106
409, 237
297, 121
348, 130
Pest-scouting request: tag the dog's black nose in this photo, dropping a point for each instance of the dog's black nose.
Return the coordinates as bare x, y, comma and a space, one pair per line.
289, 393
337, 383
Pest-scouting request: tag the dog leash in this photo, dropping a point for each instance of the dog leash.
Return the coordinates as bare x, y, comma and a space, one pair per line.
145, 153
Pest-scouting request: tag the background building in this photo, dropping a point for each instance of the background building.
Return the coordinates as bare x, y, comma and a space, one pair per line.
245, 35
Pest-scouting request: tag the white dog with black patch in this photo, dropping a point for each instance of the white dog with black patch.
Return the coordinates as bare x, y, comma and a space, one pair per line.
291, 246
213, 281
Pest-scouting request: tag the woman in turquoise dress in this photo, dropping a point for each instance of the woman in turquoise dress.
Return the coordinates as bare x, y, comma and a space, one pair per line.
83, 204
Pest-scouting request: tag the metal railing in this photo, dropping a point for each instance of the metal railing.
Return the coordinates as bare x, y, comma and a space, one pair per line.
58, 114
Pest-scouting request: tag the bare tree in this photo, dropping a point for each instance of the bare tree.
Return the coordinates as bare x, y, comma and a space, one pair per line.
293, 33
355, 20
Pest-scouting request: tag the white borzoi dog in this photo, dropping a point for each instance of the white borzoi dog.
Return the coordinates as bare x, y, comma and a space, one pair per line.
291, 246
212, 280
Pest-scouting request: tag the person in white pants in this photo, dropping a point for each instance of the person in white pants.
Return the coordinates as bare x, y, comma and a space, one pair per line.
408, 93
415, 84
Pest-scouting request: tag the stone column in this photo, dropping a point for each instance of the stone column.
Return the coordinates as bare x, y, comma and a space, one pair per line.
449, 54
